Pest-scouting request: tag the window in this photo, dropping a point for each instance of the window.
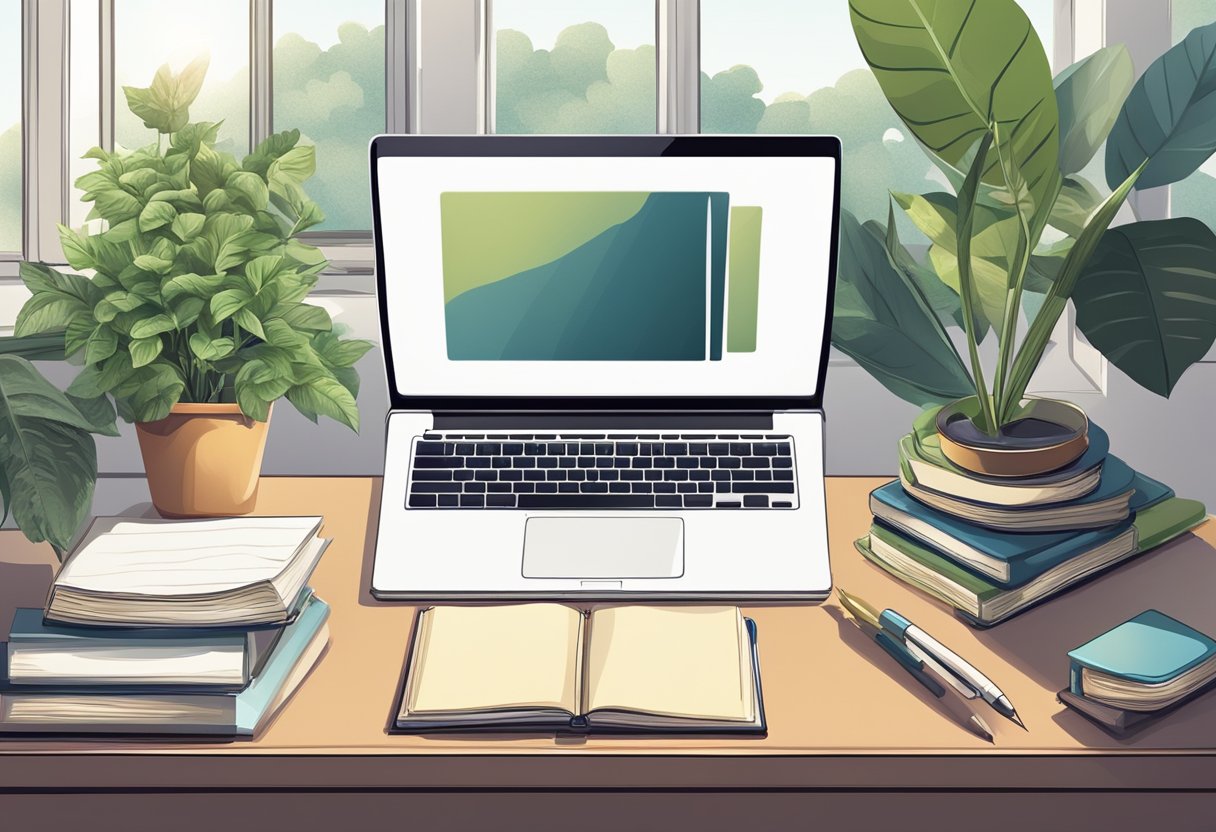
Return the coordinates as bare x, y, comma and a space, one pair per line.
574, 66
329, 83
807, 75
84, 101
149, 33
10, 128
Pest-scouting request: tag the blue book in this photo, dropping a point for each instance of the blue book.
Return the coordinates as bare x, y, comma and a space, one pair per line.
1119, 492
1009, 559
1145, 664
74, 709
43, 653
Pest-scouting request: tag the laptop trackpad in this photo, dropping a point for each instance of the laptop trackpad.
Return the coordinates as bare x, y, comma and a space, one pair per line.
603, 547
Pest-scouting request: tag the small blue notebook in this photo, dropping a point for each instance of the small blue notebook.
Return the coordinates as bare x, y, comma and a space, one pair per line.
1150, 649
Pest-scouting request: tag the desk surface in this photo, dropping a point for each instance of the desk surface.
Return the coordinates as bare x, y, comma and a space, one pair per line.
840, 713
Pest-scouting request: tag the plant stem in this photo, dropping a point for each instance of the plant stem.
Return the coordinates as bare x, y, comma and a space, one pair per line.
1013, 295
966, 222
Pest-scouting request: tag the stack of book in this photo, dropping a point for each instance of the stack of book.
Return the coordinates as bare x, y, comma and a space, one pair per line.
158, 627
993, 546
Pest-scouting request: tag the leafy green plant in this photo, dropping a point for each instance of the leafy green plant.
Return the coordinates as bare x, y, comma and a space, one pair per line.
196, 294
971, 82
200, 278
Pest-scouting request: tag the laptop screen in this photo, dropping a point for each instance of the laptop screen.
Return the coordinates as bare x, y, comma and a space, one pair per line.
605, 276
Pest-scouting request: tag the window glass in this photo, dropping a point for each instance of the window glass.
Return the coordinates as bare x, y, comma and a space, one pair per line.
329, 83
788, 66
149, 33
1194, 196
10, 127
574, 66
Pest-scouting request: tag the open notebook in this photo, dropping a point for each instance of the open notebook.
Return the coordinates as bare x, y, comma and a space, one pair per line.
552, 667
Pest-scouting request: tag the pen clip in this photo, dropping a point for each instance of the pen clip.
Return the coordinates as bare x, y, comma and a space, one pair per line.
910, 663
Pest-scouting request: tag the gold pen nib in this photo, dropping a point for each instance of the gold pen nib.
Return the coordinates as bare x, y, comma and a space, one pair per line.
858, 608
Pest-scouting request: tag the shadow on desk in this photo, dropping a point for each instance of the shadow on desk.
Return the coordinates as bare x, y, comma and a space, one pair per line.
1177, 579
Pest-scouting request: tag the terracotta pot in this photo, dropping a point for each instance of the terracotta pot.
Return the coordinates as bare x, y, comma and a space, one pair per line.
1045, 434
203, 460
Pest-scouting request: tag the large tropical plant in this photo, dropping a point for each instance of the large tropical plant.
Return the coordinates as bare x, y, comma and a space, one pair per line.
1023, 229
195, 293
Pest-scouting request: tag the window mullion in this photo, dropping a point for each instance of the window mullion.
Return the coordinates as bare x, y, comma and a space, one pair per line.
261, 47
105, 55
400, 66
678, 39
44, 122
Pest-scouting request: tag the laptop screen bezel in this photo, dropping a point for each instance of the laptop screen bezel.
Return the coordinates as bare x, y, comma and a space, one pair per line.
415, 145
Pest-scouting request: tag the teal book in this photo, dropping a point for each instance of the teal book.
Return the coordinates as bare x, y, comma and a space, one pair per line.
1144, 664
76, 709
44, 653
1009, 559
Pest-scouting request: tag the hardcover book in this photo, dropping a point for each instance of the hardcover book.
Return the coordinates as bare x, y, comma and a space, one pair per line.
549, 667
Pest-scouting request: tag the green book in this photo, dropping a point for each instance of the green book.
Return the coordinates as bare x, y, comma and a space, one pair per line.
984, 603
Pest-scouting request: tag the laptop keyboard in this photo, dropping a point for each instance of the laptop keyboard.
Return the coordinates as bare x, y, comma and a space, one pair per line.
602, 471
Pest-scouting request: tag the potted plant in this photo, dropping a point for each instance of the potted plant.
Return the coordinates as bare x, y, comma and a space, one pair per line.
194, 319
976, 91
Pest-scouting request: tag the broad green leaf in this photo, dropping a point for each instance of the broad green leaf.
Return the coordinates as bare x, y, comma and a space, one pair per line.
259, 270
269, 150
1169, 117
281, 334
76, 248
187, 141
257, 384
186, 310
1089, 95
1078, 200
307, 317
137, 180
101, 378
327, 397
48, 347
187, 226
156, 214
44, 279
159, 387
210, 349
952, 70
152, 263
190, 81
48, 457
48, 312
249, 322
184, 199
295, 165
152, 326
340, 352
145, 350
98, 414
145, 105
941, 298
200, 286
885, 324
1147, 299
210, 169
123, 232
251, 187
227, 303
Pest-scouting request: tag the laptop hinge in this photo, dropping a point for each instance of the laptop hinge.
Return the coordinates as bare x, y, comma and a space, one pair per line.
448, 420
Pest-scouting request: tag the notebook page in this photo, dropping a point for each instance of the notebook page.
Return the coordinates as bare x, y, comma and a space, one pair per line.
161, 557
688, 662
486, 658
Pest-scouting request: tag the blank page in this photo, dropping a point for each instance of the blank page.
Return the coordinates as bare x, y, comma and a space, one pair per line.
489, 658
685, 662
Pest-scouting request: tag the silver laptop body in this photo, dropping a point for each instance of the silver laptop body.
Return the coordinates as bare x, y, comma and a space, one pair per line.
605, 361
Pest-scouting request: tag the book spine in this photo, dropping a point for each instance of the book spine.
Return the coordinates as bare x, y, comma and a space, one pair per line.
1074, 679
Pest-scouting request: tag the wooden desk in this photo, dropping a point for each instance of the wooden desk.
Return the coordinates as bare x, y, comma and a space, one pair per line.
849, 733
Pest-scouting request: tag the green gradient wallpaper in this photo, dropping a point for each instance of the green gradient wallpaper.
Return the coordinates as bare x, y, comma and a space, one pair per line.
595, 276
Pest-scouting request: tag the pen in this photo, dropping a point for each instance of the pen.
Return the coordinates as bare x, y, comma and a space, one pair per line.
957, 708
956, 671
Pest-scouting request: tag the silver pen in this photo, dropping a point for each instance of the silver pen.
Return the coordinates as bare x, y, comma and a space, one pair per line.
952, 668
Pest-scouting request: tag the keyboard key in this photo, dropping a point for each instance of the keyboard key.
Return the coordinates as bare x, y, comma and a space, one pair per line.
422, 501
524, 487
433, 476
698, 448
783, 474
755, 462
498, 487
755, 501
438, 462
664, 488
709, 462
477, 462
719, 448
782, 504
620, 462
462, 475
500, 501
585, 501
669, 436
448, 500
740, 449
720, 475
586, 449
627, 448
783, 462
576, 474
746, 474
765, 449
545, 436
433, 448
567, 487
465, 449
604, 449
677, 475
511, 475
500, 461
686, 488
783, 449
603, 462
618, 488
546, 462
555, 475
523, 462
728, 504
566, 462
513, 449
534, 449
631, 475
721, 488
728, 462
472, 501
488, 448
610, 475
486, 476
668, 501
520, 436
652, 475
764, 475
697, 436
641, 488
675, 449
474, 488
705, 488
555, 448
751, 436
643, 462
546, 488
586, 462
534, 475
687, 462
664, 462
594, 488
698, 501
762, 487
699, 476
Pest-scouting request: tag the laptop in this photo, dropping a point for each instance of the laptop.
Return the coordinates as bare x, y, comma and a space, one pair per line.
605, 360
